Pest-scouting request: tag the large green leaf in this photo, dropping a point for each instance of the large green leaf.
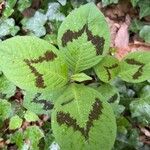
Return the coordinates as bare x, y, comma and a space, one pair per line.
32, 63
135, 67
84, 36
107, 69
82, 119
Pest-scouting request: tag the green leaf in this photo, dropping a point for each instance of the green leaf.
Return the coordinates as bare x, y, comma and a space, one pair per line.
134, 2
107, 69
135, 67
9, 8
80, 77
33, 134
136, 26
15, 122
5, 109
83, 36
7, 89
7, 27
23, 4
32, 64
17, 138
108, 2
145, 33
112, 95
140, 109
82, 113
54, 13
36, 24
31, 116
35, 104
144, 8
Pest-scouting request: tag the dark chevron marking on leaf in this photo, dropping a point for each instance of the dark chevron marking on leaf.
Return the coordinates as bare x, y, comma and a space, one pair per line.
97, 41
47, 105
48, 56
65, 118
67, 102
132, 61
113, 98
108, 70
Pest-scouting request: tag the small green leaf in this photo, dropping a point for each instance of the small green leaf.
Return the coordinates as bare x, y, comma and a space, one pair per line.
136, 26
23, 4
112, 95
54, 13
145, 33
108, 2
144, 8
107, 69
140, 109
17, 138
36, 24
80, 77
83, 36
7, 27
30, 116
9, 8
33, 64
134, 2
33, 134
5, 109
82, 113
135, 67
15, 122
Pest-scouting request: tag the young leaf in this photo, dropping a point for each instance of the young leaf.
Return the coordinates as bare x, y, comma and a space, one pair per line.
82, 113
135, 67
80, 77
32, 64
5, 109
31, 116
83, 36
15, 122
107, 69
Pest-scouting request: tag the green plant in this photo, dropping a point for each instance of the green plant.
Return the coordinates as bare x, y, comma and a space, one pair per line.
82, 117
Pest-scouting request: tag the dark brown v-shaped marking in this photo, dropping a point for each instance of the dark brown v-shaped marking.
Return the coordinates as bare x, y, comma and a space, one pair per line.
108, 70
132, 61
48, 56
47, 105
97, 41
65, 118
